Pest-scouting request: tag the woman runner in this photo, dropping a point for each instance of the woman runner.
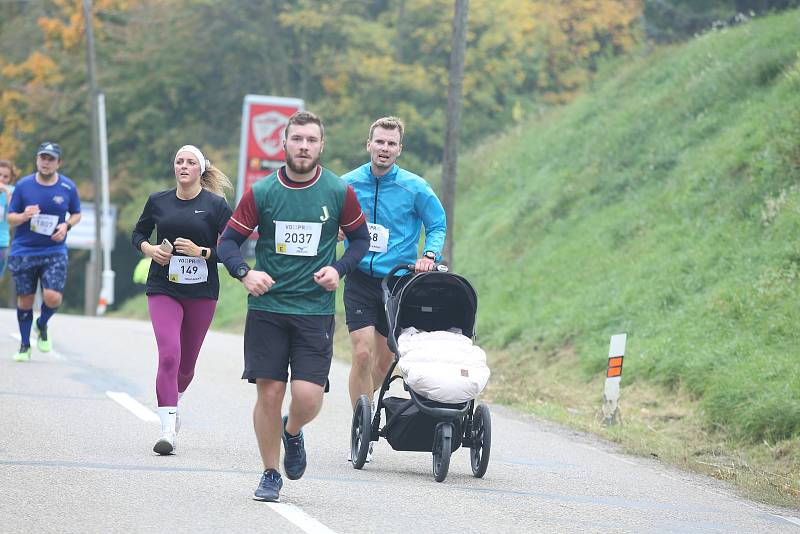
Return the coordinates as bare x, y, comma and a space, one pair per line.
182, 284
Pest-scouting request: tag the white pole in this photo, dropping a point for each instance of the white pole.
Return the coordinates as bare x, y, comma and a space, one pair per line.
107, 290
616, 353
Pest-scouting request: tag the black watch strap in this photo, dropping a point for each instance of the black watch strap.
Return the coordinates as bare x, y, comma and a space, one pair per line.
431, 255
69, 226
241, 271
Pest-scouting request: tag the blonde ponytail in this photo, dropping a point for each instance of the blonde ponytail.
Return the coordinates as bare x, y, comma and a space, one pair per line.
215, 180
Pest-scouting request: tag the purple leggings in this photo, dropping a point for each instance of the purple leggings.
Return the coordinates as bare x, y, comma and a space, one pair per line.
180, 326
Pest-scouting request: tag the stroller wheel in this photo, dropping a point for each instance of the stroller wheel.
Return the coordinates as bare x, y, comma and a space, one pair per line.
360, 432
442, 447
481, 440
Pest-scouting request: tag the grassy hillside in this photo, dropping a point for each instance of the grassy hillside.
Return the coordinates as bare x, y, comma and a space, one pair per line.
664, 203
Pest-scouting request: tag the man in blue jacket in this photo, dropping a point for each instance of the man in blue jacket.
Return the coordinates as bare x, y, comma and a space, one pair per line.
397, 204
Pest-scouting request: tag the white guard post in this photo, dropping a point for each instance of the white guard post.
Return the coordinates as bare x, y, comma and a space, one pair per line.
616, 352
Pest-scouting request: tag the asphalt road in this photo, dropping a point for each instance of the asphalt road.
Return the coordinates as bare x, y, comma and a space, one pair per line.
72, 459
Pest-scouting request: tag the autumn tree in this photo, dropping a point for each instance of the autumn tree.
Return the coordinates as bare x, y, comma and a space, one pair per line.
37, 95
575, 35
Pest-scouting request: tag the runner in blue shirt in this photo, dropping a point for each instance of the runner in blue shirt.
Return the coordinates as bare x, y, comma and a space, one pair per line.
44, 207
397, 204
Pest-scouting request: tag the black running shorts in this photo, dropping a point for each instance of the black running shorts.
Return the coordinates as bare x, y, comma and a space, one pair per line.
276, 342
363, 302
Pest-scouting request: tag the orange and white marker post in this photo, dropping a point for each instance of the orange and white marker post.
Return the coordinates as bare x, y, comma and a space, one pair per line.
616, 353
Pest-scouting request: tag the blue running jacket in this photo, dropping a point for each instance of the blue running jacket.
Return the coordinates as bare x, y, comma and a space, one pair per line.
402, 202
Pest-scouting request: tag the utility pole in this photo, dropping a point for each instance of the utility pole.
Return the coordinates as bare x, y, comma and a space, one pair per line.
92, 293
454, 89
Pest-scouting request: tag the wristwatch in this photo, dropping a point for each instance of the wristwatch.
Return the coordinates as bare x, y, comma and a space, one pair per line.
69, 226
241, 271
204, 252
431, 255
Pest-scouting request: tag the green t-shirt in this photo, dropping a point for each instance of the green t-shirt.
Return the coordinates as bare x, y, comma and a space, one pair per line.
291, 220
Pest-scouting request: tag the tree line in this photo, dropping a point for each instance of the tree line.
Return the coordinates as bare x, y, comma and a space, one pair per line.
176, 71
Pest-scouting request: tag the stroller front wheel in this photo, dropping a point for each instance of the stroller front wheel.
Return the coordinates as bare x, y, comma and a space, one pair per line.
360, 432
481, 442
442, 447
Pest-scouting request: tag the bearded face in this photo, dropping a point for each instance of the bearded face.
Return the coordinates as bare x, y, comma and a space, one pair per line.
301, 163
303, 147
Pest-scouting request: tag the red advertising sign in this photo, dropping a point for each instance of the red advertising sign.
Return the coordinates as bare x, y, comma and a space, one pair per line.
261, 147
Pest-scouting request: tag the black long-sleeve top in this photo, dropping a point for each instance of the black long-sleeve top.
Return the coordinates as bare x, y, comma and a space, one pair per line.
200, 219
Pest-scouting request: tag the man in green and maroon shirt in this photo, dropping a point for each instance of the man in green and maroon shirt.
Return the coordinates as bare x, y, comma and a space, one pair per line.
298, 211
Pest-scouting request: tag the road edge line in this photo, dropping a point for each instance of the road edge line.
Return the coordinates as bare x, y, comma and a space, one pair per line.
132, 405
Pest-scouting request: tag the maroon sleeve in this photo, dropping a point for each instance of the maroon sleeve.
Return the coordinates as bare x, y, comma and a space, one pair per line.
351, 216
245, 217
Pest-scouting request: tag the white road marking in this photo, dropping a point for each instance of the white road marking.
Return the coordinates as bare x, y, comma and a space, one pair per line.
788, 518
299, 518
52, 353
137, 408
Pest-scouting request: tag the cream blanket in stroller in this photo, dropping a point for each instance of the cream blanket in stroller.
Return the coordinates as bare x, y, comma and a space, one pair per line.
442, 366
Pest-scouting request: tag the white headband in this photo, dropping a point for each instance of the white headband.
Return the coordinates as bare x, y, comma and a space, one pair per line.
196, 152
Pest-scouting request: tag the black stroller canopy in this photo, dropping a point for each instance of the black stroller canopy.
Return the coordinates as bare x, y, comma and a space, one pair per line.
433, 301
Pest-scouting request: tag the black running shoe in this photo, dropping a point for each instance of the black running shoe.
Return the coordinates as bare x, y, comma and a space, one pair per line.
269, 488
294, 453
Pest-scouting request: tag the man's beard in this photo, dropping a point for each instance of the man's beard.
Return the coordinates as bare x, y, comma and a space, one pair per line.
47, 176
301, 166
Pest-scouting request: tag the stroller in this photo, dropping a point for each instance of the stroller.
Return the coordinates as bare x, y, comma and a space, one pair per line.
431, 301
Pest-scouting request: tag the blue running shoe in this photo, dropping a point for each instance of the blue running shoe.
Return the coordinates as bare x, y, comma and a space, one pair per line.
269, 488
294, 453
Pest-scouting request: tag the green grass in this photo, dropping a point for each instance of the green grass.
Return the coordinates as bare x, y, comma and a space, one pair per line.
643, 208
665, 204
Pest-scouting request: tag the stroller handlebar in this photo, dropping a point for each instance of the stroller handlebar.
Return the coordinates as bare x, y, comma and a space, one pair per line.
410, 267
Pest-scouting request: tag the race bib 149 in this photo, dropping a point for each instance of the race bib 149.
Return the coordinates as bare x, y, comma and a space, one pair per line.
185, 270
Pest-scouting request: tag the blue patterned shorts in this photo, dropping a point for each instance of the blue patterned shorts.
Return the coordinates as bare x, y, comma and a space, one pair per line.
26, 270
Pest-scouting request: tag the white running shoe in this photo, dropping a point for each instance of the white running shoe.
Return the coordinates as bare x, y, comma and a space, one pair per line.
165, 444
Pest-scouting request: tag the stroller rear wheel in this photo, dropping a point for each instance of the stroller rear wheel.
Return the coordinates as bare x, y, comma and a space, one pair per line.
360, 432
481, 440
442, 447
